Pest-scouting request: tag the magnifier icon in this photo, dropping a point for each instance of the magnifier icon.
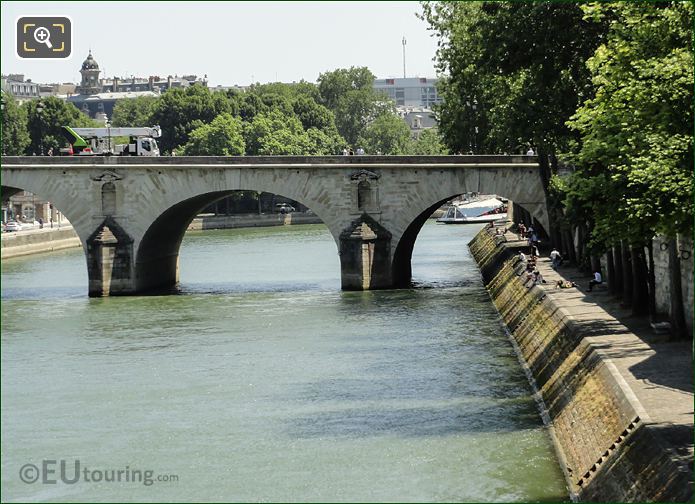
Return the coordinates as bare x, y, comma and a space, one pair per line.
43, 36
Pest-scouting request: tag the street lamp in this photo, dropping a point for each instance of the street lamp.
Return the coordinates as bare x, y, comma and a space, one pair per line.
4, 129
39, 111
475, 124
108, 134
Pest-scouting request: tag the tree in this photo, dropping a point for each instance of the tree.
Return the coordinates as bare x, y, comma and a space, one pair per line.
290, 91
45, 120
312, 114
325, 142
636, 139
429, 143
516, 72
274, 133
222, 137
15, 134
250, 105
387, 134
358, 108
179, 111
349, 94
333, 85
134, 113
636, 132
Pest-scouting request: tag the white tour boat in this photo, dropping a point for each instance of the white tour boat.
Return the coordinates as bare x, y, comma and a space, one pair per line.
488, 209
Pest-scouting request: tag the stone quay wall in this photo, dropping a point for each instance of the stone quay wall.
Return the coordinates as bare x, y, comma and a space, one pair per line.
252, 220
605, 445
19, 244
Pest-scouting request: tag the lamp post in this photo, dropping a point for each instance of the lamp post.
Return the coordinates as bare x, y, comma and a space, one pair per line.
39, 112
475, 124
108, 134
4, 129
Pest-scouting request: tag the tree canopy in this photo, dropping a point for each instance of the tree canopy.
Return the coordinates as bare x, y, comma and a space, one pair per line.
45, 120
635, 160
15, 134
134, 113
222, 137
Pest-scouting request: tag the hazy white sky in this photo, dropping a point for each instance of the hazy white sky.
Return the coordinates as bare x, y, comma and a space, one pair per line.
231, 42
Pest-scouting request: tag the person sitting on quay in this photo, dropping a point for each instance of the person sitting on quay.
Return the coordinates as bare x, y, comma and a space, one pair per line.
555, 258
535, 277
597, 280
522, 230
531, 263
538, 278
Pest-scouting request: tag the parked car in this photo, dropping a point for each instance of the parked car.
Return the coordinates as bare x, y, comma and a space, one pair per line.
13, 226
284, 208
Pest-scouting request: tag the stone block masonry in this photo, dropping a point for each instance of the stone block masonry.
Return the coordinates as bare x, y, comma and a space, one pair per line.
611, 448
48, 240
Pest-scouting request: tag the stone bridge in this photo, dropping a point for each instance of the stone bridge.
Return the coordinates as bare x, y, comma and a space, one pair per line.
131, 213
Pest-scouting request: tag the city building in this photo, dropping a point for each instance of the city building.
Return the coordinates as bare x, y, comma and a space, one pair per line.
417, 118
152, 83
58, 90
27, 207
97, 97
90, 98
22, 90
410, 91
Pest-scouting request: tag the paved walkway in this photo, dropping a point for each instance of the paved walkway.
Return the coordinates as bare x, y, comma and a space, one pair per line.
659, 372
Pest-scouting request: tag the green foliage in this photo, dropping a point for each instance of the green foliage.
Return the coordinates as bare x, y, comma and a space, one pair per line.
334, 85
274, 133
635, 161
15, 136
134, 113
312, 114
349, 94
358, 108
325, 142
222, 137
429, 143
45, 127
387, 134
516, 70
250, 105
290, 91
180, 111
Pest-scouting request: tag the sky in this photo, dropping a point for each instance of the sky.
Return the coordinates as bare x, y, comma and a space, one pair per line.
231, 42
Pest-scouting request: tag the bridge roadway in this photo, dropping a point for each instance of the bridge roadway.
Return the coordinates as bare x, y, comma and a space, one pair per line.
131, 212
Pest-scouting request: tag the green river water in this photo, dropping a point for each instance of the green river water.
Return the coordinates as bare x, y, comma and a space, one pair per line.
262, 381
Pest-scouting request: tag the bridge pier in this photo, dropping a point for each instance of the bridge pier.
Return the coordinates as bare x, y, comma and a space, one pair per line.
110, 262
365, 249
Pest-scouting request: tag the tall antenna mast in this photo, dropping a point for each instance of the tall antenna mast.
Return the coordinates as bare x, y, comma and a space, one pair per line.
404, 57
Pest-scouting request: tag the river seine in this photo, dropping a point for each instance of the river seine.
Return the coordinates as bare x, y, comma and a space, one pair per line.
262, 381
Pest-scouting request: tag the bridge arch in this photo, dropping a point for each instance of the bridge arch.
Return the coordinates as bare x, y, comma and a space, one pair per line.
523, 187
157, 254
